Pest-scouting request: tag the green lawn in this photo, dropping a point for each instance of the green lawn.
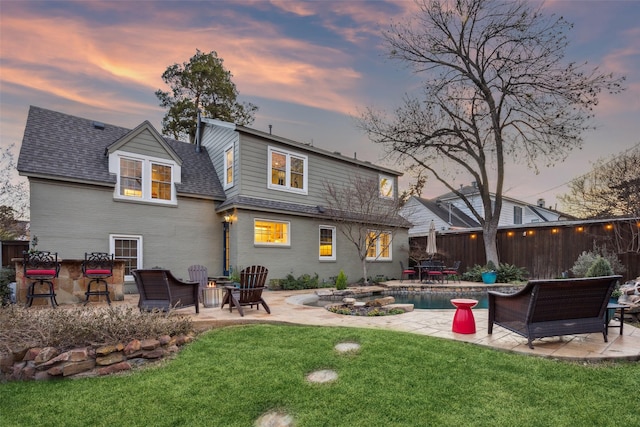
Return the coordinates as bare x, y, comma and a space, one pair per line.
230, 376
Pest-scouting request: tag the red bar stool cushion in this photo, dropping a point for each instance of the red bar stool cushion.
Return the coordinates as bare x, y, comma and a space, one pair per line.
41, 272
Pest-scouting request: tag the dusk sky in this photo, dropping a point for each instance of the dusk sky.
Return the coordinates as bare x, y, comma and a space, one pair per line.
310, 67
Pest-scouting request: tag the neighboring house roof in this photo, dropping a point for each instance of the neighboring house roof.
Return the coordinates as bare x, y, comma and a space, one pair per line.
545, 214
449, 213
68, 148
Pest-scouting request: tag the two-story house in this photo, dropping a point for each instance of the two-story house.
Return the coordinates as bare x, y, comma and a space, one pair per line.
236, 198
449, 212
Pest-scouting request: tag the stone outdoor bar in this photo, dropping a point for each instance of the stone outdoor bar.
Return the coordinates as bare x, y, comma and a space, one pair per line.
70, 285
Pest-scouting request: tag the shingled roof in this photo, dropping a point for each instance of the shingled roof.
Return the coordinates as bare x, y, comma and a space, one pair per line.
68, 148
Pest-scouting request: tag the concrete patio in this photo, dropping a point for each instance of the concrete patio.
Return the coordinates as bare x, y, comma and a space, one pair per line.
287, 307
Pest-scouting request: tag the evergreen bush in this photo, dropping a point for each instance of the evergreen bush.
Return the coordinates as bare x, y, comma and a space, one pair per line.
7, 275
341, 281
600, 267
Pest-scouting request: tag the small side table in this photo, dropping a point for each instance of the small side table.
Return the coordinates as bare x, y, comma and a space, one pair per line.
463, 320
607, 319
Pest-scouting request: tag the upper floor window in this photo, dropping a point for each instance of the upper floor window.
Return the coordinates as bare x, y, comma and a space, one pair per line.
228, 167
327, 243
379, 244
386, 187
287, 171
145, 179
266, 232
517, 215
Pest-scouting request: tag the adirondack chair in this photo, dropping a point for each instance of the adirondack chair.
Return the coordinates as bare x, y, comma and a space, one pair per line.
199, 273
249, 293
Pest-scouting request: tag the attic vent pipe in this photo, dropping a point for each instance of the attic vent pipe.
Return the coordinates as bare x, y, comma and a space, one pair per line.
98, 125
197, 141
270, 126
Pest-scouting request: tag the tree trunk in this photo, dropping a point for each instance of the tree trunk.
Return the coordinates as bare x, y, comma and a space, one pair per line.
364, 270
489, 236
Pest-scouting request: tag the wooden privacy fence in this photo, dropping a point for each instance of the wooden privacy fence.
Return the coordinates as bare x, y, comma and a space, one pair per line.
545, 250
12, 249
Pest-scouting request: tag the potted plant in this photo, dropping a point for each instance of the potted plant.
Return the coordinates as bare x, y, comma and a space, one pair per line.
489, 274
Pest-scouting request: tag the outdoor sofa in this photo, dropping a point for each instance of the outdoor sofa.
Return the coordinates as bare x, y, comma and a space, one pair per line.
159, 289
554, 307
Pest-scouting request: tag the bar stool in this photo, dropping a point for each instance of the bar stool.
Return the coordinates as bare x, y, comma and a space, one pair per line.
97, 267
41, 267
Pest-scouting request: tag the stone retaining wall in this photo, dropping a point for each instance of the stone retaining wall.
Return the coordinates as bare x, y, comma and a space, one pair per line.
34, 363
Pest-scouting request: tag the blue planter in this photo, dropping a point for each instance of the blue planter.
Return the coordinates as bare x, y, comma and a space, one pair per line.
489, 277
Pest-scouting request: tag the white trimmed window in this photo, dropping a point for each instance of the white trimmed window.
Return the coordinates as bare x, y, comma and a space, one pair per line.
228, 167
127, 248
271, 233
379, 244
287, 171
517, 215
145, 179
327, 243
386, 186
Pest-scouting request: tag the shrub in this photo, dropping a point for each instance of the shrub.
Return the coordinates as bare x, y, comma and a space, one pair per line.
600, 267
473, 274
587, 258
304, 281
507, 273
7, 275
66, 329
582, 264
341, 281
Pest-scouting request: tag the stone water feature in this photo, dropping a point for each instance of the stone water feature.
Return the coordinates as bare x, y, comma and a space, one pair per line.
630, 295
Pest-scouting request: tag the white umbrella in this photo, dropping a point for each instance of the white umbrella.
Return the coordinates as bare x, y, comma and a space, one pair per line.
431, 240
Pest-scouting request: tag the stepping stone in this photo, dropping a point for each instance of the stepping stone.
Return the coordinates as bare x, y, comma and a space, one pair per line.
347, 347
275, 419
322, 376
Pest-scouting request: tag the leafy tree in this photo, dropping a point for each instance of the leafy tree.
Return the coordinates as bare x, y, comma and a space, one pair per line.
496, 89
202, 83
612, 188
14, 196
10, 227
363, 216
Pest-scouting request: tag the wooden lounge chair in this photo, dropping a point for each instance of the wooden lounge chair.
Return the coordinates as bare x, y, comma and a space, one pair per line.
199, 273
249, 293
548, 308
159, 289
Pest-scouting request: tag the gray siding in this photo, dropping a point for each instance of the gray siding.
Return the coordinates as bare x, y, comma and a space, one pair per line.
302, 255
74, 219
146, 144
321, 169
216, 139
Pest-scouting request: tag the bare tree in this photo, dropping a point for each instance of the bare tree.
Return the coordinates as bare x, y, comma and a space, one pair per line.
13, 194
364, 216
495, 88
611, 189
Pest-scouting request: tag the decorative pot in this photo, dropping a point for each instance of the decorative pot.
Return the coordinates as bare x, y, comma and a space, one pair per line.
489, 277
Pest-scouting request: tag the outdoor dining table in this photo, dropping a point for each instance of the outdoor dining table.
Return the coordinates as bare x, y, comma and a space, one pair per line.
432, 269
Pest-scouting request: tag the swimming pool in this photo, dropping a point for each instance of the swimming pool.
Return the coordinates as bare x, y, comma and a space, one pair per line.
420, 300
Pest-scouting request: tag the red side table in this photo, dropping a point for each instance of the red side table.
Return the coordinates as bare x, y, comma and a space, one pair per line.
463, 320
